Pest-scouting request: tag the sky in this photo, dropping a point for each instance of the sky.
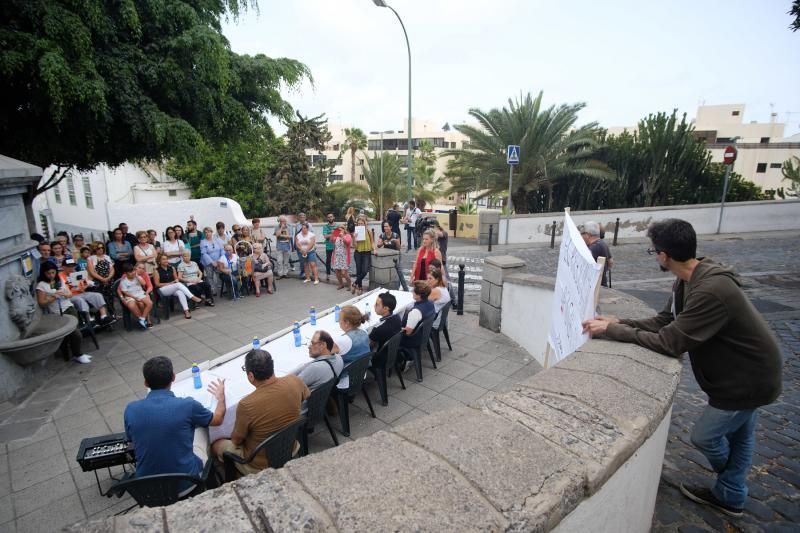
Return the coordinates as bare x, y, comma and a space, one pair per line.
623, 58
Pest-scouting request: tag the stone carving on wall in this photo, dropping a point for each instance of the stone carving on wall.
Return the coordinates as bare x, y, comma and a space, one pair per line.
21, 307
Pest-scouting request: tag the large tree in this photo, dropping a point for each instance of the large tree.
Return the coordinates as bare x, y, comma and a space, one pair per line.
94, 82
553, 149
292, 185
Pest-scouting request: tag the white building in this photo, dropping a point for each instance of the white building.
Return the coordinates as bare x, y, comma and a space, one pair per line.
397, 143
84, 202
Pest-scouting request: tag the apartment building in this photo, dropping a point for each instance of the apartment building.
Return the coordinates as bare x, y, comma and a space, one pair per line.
396, 142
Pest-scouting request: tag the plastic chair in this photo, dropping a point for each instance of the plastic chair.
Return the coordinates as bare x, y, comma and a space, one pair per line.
383, 362
278, 449
356, 370
443, 329
162, 489
315, 412
417, 340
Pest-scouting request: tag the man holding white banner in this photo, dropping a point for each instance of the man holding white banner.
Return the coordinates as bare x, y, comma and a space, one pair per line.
734, 355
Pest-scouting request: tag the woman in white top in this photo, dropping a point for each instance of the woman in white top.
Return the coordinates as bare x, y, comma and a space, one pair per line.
145, 253
440, 296
262, 268
306, 244
54, 296
189, 274
133, 295
172, 247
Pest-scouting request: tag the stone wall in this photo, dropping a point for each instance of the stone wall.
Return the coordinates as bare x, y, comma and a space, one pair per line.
495, 270
739, 217
525, 460
382, 272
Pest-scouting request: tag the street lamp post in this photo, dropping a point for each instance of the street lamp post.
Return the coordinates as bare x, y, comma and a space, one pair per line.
382, 3
381, 152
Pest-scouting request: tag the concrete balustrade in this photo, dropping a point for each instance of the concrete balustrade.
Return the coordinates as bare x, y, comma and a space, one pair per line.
382, 272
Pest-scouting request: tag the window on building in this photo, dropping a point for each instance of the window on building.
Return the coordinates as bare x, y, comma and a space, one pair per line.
761, 168
450, 198
735, 113
724, 139
57, 193
465, 145
775, 165
360, 162
318, 158
764, 140
172, 192
361, 177
87, 192
336, 177
335, 147
71, 191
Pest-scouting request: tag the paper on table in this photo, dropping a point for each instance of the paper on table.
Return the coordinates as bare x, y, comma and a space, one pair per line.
361, 233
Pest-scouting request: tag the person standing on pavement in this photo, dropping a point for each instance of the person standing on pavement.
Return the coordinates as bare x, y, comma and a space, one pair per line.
393, 217
591, 236
410, 220
327, 234
734, 356
192, 239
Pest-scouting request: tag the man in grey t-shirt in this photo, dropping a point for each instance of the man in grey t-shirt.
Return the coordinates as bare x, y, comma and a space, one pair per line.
325, 365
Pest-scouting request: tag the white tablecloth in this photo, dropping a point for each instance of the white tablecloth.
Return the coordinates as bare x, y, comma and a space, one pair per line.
288, 359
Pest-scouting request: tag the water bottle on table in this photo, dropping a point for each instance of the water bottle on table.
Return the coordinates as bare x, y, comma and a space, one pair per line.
312, 313
336, 313
296, 333
367, 310
256, 343
198, 382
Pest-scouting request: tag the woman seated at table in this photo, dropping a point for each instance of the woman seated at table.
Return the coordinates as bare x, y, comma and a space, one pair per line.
355, 341
189, 274
166, 281
262, 268
440, 296
388, 239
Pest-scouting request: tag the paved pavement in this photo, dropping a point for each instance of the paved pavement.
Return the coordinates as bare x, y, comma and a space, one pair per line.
42, 488
41, 485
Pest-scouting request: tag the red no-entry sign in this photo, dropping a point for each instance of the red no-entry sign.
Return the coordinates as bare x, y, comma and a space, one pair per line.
729, 156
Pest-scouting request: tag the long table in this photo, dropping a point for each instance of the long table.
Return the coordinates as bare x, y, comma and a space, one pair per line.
288, 359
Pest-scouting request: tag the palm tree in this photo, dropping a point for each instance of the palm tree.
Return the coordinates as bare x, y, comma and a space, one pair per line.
791, 172
354, 140
370, 188
552, 150
427, 187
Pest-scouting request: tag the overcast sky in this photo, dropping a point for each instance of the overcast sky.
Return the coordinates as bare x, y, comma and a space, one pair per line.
624, 59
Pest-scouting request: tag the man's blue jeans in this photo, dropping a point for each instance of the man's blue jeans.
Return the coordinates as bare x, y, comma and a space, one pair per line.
412, 237
727, 439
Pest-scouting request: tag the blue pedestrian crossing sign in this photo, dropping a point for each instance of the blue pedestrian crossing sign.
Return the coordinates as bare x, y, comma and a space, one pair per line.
512, 154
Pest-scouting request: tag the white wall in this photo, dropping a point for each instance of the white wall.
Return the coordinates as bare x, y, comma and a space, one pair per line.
739, 217
525, 319
626, 502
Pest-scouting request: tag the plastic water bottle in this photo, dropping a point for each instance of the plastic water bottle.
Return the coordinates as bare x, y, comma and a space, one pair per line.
198, 383
296, 333
256, 343
336, 313
312, 313
367, 310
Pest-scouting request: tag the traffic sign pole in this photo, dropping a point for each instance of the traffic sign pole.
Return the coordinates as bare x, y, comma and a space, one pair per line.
510, 205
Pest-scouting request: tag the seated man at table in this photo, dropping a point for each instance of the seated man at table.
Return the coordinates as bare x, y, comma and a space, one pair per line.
162, 427
325, 364
389, 324
272, 406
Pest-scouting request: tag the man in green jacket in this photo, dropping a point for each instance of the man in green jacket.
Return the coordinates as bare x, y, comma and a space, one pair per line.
734, 355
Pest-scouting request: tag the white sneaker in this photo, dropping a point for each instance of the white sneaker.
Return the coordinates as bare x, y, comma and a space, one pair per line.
306, 280
84, 359
316, 282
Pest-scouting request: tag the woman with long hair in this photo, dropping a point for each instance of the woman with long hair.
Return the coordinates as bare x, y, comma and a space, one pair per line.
341, 256
283, 245
59, 253
172, 247
426, 253
165, 279
120, 251
350, 220
54, 296
101, 270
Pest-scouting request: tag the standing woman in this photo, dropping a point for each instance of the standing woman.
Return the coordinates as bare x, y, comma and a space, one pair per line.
210, 252
283, 245
341, 256
179, 233
262, 268
166, 281
365, 247
120, 251
145, 253
426, 253
389, 239
173, 247
306, 243
101, 270
247, 234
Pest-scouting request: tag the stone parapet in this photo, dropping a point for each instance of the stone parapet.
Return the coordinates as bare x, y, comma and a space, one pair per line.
495, 269
382, 272
487, 217
517, 461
